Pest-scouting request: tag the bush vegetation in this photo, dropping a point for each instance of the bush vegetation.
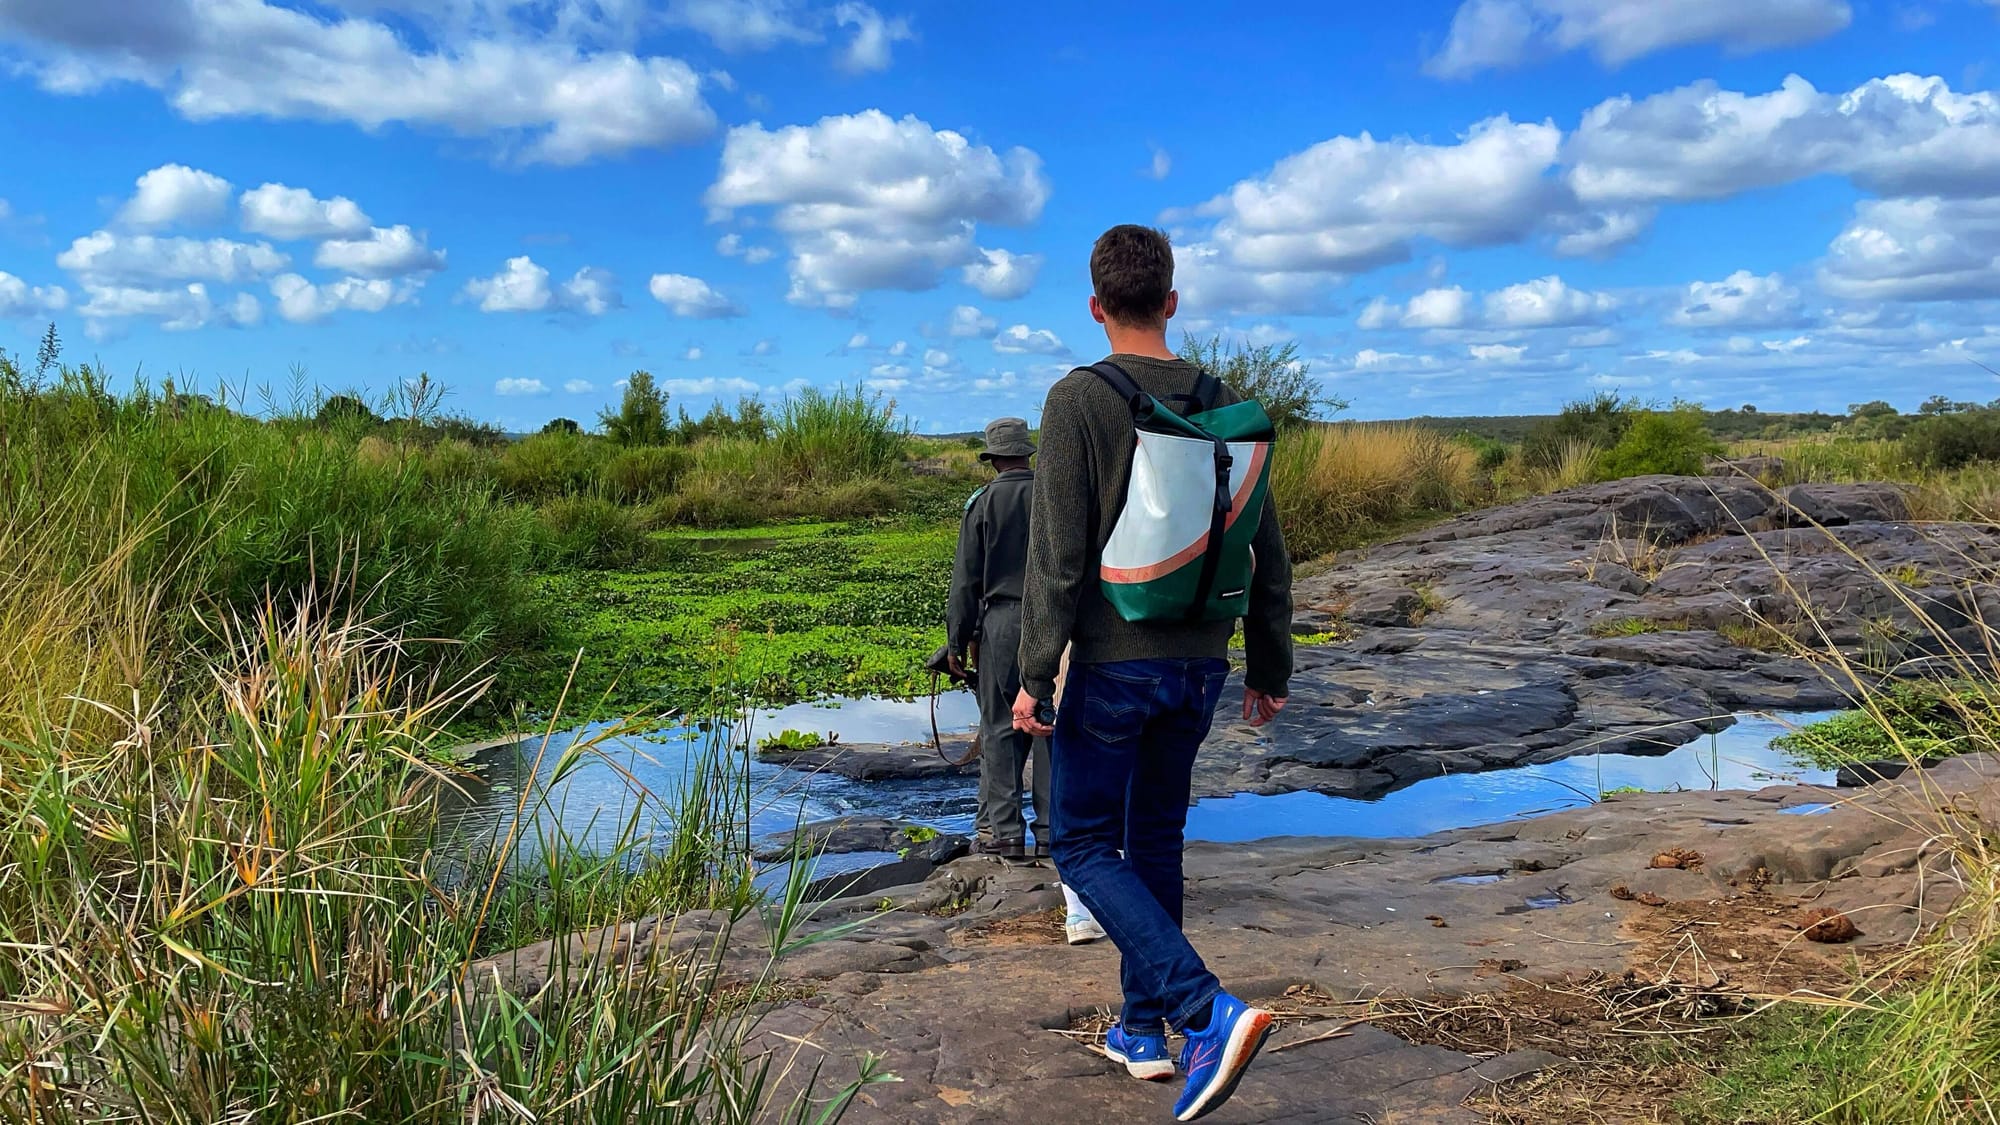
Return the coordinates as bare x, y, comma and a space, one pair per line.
1674, 442
1275, 376
226, 897
229, 652
1338, 484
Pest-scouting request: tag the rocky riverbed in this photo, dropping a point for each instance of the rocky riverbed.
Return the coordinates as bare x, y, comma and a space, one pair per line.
1628, 617
962, 984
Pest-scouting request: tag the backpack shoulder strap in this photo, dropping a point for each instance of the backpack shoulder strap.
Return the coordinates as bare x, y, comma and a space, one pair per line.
1201, 399
1113, 375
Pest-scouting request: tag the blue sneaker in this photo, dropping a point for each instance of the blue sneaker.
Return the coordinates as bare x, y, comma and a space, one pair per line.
1144, 1056
1216, 1056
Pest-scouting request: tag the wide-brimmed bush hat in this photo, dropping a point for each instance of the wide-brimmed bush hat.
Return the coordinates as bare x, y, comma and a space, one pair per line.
1007, 437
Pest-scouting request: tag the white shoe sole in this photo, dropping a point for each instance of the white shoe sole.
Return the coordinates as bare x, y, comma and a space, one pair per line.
1244, 1040
1083, 933
1158, 1070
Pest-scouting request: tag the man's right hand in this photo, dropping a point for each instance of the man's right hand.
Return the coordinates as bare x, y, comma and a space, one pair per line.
1259, 708
955, 663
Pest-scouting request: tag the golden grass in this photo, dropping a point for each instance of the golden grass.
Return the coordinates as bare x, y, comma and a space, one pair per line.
1333, 482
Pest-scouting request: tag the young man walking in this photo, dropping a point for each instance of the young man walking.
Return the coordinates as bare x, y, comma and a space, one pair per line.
1140, 695
983, 627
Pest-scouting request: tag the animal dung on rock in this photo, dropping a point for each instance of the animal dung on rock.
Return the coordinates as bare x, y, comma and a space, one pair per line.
1680, 858
1828, 926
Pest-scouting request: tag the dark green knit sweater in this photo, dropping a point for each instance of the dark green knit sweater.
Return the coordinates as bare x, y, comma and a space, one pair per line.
1080, 479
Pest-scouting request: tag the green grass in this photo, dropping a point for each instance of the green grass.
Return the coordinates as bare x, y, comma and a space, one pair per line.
1920, 720
1635, 626
1785, 1067
242, 910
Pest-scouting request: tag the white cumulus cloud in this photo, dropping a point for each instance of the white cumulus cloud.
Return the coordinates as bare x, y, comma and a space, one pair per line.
591, 291
866, 201
290, 214
302, 302
691, 297
1003, 276
708, 387
18, 298
1351, 204
112, 259
1741, 300
385, 252
968, 323
1926, 249
544, 89
175, 308
1494, 34
731, 245
1545, 303
874, 37
1035, 341
176, 193
524, 286
579, 386
1899, 135
517, 386
1438, 308
744, 25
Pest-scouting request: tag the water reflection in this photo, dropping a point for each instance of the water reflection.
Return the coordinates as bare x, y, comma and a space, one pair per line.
1740, 757
627, 785
630, 784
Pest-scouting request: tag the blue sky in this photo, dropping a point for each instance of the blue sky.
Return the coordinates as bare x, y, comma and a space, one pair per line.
1453, 206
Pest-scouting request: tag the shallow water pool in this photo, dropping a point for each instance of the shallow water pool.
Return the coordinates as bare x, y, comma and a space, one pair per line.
634, 780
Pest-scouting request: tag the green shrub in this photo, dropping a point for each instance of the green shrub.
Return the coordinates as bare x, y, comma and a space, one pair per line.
1954, 440
231, 509
547, 465
1662, 441
1488, 454
848, 500
592, 532
750, 420
826, 437
641, 417
1275, 376
454, 463
635, 476
1600, 422
346, 412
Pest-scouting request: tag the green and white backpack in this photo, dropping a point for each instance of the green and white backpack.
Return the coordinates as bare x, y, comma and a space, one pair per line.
1179, 548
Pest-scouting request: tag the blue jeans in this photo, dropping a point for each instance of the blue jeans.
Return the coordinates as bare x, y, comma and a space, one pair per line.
1123, 760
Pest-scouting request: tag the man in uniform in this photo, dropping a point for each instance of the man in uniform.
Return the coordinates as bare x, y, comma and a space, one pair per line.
983, 626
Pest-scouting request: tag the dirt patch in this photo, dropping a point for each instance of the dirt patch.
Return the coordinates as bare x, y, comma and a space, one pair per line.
1750, 944
1041, 928
1641, 1039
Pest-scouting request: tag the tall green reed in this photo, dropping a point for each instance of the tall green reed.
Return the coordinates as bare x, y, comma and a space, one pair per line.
244, 915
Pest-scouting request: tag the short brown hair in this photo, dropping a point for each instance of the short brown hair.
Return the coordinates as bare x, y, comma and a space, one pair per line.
1132, 271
